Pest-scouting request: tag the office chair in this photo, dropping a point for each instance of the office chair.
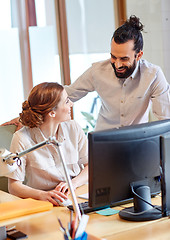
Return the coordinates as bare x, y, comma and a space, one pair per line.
6, 133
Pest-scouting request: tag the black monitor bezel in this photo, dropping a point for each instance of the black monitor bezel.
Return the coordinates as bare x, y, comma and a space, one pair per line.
151, 131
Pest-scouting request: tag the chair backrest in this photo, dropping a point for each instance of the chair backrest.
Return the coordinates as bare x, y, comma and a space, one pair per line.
6, 133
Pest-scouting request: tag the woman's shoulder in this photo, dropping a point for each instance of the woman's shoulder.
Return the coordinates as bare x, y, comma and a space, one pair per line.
23, 132
23, 136
20, 140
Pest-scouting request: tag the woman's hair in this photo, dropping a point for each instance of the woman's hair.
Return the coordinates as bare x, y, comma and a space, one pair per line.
130, 30
42, 99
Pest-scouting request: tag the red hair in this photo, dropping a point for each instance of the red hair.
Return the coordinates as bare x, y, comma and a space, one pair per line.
42, 99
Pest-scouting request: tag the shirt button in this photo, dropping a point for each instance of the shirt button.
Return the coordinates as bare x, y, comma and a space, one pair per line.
121, 101
124, 84
122, 115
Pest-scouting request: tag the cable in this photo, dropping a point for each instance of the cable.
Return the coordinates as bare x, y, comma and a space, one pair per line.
140, 213
141, 198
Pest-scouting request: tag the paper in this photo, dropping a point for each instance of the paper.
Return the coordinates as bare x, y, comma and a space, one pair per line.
84, 196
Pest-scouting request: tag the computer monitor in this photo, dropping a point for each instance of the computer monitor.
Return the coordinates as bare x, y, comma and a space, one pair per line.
124, 159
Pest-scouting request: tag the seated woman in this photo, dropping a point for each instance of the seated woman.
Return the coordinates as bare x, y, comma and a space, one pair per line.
47, 113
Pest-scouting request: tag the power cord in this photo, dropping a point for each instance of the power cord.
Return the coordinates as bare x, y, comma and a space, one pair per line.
139, 213
141, 198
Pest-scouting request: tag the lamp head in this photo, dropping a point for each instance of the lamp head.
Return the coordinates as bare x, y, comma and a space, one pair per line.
8, 162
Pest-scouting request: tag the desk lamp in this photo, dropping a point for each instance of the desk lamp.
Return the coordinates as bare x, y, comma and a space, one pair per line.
10, 161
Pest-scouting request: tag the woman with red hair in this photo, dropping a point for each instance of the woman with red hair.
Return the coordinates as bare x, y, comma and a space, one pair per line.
47, 113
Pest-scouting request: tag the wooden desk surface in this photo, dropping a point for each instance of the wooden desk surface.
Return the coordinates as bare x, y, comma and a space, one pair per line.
45, 225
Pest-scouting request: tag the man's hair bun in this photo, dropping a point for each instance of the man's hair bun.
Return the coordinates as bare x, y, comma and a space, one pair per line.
134, 22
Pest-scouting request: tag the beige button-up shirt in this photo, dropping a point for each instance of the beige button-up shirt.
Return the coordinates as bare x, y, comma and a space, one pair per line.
124, 101
42, 168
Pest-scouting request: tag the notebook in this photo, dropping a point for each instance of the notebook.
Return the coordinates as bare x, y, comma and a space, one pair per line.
23, 207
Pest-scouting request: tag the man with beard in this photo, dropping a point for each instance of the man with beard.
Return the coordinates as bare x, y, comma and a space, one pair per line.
126, 84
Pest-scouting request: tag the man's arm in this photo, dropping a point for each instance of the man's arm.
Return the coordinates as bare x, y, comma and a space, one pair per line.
161, 97
81, 86
15, 122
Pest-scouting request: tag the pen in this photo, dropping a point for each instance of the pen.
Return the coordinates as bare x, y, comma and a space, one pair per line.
74, 226
70, 223
71, 216
10, 228
61, 225
63, 229
68, 234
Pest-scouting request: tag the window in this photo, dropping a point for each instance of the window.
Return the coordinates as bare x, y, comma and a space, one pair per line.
43, 44
11, 94
90, 28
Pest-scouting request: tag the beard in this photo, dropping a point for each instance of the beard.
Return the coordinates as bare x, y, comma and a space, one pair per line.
128, 70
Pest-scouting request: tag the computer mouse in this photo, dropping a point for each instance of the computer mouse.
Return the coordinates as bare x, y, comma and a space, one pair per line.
65, 203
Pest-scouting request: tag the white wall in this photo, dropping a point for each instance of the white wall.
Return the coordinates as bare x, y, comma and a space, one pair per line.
165, 10
154, 14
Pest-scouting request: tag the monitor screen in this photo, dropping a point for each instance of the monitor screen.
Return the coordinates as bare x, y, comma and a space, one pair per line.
124, 157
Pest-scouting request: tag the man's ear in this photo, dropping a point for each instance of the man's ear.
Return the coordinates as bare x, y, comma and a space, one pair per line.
139, 55
52, 114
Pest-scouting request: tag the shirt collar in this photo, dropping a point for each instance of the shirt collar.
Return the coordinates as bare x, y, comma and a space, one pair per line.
135, 72
61, 134
38, 135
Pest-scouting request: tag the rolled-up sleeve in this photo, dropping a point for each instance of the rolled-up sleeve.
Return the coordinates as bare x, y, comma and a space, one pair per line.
161, 97
16, 147
81, 86
82, 146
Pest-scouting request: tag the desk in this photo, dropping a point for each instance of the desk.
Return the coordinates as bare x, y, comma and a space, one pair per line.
45, 225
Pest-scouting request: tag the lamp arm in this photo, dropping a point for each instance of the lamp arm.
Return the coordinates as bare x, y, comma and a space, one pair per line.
12, 158
37, 146
68, 179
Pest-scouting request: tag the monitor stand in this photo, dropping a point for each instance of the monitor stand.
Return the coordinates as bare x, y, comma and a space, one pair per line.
141, 210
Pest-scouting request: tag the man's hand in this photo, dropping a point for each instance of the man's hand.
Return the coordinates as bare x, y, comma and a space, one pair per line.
15, 122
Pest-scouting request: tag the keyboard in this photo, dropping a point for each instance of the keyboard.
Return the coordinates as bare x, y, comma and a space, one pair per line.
85, 208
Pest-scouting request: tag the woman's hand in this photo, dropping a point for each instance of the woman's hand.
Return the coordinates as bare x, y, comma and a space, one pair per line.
62, 187
17, 188
51, 195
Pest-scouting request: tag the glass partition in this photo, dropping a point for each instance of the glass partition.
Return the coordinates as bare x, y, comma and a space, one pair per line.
90, 27
11, 94
43, 44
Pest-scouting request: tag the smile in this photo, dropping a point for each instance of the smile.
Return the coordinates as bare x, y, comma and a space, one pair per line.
121, 70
